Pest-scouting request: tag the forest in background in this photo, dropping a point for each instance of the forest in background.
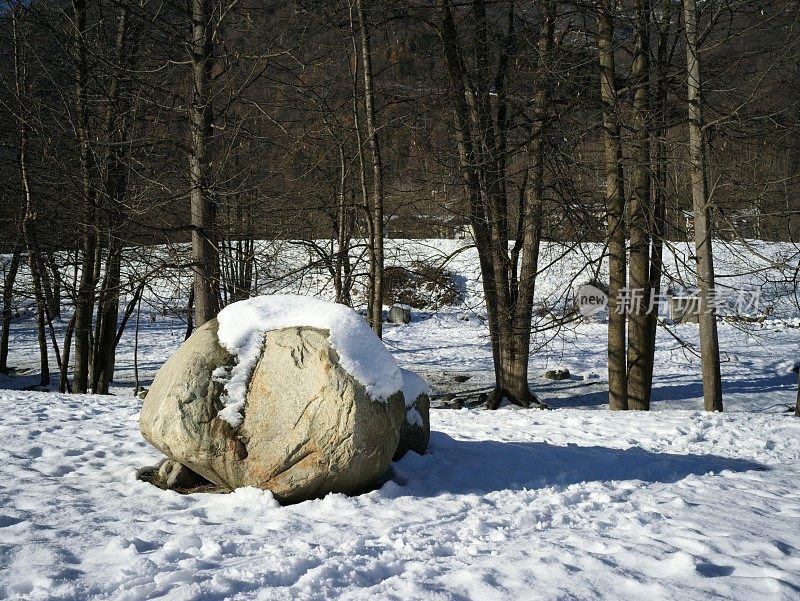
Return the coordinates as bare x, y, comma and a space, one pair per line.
125, 124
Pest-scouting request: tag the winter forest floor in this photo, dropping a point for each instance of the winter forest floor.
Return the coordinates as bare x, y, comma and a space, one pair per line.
574, 503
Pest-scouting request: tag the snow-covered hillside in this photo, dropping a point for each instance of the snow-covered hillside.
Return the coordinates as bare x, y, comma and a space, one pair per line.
513, 504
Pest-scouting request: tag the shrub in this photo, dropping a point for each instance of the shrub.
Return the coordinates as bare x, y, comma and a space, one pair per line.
421, 286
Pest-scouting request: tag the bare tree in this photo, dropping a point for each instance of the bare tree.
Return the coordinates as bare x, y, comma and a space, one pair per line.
84, 303
639, 226
709, 342
658, 226
8, 299
480, 138
204, 248
615, 208
376, 199
342, 267
29, 221
114, 193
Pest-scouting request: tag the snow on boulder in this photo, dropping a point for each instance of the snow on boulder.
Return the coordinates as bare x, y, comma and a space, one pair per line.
286, 393
416, 429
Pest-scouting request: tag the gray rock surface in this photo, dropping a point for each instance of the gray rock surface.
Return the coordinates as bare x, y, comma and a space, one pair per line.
174, 476
557, 374
309, 427
415, 433
400, 314
416, 428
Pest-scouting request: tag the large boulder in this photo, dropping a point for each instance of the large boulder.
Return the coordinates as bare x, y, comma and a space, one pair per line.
306, 426
415, 431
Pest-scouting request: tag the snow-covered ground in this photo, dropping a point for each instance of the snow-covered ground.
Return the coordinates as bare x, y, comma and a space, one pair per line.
507, 505
516, 504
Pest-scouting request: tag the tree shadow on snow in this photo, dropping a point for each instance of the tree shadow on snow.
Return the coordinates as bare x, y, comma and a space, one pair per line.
573, 393
694, 390
483, 466
576, 393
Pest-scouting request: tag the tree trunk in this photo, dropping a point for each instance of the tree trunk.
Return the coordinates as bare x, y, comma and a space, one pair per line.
115, 189
34, 264
515, 371
189, 315
709, 342
469, 173
204, 249
108, 314
41, 337
136, 346
639, 265
28, 222
84, 309
513, 384
8, 310
55, 278
137, 293
658, 220
48, 288
376, 204
84, 303
342, 266
63, 381
615, 209
797, 404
